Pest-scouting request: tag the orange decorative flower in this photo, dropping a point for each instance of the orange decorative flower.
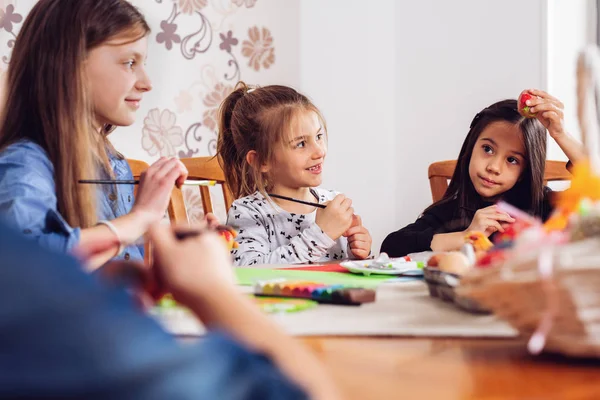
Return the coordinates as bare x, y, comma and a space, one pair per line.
212, 101
184, 101
585, 184
160, 134
259, 49
247, 3
191, 6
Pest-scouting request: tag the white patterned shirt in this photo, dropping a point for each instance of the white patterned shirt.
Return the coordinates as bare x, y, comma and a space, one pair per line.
267, 234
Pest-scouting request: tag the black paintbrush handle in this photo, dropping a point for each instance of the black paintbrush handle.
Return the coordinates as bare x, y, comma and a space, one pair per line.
110, 182
181, 235
308, 203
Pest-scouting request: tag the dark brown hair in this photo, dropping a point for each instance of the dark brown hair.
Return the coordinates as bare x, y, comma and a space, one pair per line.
256, 119
47, 99
528, 192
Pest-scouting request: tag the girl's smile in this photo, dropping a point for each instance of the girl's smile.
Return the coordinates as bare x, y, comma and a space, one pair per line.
134, 103
316, 169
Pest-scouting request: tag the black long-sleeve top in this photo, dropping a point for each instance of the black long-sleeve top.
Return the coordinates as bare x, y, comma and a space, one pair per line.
442, 218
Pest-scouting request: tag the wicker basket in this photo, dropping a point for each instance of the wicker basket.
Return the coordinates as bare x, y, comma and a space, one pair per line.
561, 312
439, 287
551, 292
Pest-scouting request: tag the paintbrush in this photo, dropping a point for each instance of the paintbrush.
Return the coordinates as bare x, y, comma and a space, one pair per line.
308, 203
181, 235
137, 182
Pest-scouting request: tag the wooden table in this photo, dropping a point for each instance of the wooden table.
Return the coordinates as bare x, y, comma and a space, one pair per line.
404, 367
423, 368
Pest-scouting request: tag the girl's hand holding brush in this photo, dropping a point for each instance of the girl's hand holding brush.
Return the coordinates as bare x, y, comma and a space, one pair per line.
154, 191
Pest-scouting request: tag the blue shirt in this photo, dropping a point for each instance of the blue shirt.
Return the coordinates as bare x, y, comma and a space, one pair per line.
65, 334
28, 198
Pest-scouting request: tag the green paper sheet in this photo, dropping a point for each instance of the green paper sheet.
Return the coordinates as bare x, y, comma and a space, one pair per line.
249, 276
274, 305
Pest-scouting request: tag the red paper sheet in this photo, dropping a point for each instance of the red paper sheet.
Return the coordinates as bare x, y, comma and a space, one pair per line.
319, 268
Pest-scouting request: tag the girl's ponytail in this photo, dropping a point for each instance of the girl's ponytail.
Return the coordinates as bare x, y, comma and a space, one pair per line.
230, 158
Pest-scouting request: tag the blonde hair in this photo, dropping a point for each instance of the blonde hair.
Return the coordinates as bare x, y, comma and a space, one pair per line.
256, 119
47, 99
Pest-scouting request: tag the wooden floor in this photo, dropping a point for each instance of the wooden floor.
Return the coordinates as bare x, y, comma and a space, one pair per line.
422, 368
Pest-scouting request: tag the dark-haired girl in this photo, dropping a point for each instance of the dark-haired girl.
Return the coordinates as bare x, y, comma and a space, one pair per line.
503, 157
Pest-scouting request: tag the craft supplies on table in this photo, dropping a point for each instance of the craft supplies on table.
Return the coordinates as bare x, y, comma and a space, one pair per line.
319, 292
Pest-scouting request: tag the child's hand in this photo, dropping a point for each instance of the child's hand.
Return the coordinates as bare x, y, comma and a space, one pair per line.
489, 220
190, 267
212, 220
156, 185
359, 238
336, 218
549, 111
139, 278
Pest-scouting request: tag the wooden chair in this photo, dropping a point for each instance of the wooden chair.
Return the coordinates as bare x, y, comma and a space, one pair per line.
199, 168
440, 172
137, 167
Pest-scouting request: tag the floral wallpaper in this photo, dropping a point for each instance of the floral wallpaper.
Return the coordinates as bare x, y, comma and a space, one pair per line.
198, 50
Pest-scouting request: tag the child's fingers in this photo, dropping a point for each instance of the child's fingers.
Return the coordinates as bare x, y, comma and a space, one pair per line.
494, 224
359, 237
156, 166
360, 246
163, 168
361, 253
536, 101
551, 115
355, 230
500, 216
541, 93
337, 200
488, 212
348, 214
540, 108
346, 204
558, 104
173, 178
212, 220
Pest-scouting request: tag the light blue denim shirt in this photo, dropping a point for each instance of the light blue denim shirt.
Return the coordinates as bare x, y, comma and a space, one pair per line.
28, 198
70, 335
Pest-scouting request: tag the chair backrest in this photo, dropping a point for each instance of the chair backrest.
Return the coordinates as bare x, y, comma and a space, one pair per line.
137, 167
199, 168
440, 172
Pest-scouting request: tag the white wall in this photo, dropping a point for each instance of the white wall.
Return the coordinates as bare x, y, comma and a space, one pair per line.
453, 59
400, 81
571, 25
348, 69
